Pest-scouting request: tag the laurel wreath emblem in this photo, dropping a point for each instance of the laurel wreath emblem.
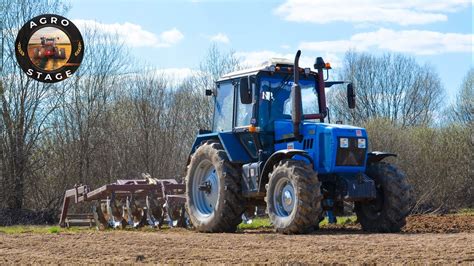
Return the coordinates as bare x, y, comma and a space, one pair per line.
79, 49
20, 51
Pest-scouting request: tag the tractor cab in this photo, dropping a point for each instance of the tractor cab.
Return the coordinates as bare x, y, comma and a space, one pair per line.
45, 41
271, 144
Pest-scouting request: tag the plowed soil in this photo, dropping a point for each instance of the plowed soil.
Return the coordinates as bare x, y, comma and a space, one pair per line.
426, 239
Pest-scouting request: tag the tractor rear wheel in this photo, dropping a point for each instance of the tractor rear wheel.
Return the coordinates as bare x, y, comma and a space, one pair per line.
36, 53
213, 193
294, 198
388, 212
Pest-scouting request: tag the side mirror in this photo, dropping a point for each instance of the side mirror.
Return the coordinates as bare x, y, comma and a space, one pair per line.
351, 96
245, 91
208, 92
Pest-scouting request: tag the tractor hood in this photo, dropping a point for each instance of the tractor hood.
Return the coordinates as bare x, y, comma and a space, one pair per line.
334, 148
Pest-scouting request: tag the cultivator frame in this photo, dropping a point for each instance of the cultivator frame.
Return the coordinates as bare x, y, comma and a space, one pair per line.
136, 203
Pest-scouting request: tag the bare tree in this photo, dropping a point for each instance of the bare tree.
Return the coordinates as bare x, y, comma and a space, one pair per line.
25, 104
463, 109
74, 148
391, 86
215, 64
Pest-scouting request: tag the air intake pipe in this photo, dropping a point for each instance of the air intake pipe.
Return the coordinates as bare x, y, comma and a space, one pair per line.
296, 104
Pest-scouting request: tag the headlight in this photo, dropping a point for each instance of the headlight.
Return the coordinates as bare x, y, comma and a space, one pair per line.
361, 143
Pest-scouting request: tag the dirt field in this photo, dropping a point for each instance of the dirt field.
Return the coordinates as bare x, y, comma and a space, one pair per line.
428, 239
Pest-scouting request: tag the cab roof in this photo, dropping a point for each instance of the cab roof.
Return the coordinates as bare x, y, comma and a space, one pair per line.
265, 66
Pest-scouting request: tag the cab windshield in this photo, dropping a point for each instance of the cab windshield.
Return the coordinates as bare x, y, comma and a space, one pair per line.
275, 102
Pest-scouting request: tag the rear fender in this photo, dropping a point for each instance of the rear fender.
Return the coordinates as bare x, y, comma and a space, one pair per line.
230, 142
200, 138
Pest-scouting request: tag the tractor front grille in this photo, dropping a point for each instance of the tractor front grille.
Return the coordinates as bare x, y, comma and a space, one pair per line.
350, 153
308, 144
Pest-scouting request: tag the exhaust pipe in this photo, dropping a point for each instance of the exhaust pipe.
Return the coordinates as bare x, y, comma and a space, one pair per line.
296, 104
319, 65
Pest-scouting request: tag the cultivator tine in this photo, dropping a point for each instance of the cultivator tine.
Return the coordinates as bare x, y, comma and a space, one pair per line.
100, 220
176, 213
143, 220
155, 212
135, 203
114, 213
133, 213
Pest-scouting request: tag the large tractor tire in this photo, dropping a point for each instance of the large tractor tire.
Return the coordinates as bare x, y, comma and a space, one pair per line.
294, 198
213, 192
36, 53
388, 212
41, 53
62, 53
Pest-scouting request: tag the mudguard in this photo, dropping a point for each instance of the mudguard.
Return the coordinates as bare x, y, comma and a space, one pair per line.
377, 156
278, 156
231, 143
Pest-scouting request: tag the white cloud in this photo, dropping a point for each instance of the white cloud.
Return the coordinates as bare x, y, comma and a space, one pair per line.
170, 37
407, 41
402, 12
173, 76
133, 34
256, 58
220, 37
176, 73
285, 46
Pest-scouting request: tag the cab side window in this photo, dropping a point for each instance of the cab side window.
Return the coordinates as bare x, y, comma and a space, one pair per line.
244, 112
224, 107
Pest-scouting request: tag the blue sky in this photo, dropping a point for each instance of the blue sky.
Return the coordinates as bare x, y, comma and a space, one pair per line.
175, 35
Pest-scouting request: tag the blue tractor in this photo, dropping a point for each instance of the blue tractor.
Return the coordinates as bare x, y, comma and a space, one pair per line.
270, 146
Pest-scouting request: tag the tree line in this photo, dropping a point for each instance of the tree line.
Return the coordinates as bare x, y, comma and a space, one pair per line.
115, 119
400, 103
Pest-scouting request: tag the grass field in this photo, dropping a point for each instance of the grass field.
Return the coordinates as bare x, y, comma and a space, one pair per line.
41, 229
257, 223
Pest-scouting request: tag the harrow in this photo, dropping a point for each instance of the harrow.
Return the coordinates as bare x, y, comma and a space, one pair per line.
135, 203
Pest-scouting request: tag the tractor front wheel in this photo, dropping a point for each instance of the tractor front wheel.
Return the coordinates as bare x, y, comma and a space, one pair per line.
294, 198
213, 194
388, 212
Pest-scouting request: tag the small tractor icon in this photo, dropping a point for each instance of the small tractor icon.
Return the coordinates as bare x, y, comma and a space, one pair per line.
49, 49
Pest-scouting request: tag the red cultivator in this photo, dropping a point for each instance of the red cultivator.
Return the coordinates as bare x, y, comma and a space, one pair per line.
135, 203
